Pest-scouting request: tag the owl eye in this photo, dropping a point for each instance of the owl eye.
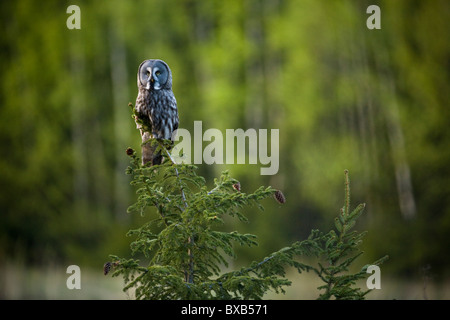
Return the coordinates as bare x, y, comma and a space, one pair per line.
147, 73
157, 73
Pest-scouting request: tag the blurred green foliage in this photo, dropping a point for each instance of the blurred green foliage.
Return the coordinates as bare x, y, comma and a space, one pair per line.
375, 102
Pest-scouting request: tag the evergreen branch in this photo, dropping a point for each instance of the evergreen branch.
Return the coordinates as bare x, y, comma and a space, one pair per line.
347, 193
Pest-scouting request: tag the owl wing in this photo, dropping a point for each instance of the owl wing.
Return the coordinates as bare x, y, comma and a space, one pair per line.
142, 118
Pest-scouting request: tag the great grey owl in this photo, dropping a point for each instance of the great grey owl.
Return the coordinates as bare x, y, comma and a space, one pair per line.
155, 102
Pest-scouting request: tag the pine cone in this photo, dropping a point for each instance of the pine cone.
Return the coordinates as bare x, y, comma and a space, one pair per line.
237, 186
106, 268
279, 196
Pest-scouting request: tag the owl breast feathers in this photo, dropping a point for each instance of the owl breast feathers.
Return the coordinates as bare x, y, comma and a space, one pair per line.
156, 102
162, 111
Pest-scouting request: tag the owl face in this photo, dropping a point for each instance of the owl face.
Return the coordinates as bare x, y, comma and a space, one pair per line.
154, 75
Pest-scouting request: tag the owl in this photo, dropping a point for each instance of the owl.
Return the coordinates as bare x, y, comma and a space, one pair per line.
155, 102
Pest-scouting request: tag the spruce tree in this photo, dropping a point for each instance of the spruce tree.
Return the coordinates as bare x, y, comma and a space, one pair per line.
186, 252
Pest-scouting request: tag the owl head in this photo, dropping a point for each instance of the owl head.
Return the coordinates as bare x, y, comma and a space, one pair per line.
154, 74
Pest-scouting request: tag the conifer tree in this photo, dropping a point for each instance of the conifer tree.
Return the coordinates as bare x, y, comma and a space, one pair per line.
186, 252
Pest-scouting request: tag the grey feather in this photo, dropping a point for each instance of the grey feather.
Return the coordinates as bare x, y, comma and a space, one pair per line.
156, 102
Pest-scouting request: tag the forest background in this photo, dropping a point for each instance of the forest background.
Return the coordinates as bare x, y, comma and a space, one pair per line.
375, 102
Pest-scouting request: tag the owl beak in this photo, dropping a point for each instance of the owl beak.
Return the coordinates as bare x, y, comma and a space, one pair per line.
150, 78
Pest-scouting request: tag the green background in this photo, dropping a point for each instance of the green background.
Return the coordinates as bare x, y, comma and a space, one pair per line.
375, 102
